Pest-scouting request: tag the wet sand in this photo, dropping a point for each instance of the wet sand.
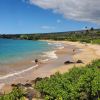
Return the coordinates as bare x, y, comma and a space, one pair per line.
84, 52
15, 66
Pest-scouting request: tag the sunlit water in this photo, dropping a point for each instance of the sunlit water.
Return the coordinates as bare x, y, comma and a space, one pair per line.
16, 50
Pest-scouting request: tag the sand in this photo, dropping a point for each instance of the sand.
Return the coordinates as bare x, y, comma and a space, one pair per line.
89, 52
84, 52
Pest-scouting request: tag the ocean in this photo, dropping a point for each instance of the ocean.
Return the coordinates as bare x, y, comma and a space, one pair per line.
13, 52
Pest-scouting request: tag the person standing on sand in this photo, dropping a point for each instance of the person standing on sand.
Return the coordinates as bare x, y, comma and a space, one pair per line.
73, 55
73, 51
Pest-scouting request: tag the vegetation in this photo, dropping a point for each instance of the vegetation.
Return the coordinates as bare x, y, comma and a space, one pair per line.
16, 94
89, 35
78, 84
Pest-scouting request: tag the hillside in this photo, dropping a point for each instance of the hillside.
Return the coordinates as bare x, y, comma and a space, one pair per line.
90, 35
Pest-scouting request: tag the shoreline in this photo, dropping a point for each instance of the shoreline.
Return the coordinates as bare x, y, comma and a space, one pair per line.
48, 56
87, 53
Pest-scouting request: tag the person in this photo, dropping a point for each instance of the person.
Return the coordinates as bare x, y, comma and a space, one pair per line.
73, 50
36, 61
73, 55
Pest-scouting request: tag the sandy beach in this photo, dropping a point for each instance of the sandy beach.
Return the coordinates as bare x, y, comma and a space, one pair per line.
89, 52
84, 52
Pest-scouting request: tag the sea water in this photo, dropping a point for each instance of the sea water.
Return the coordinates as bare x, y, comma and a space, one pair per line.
16, 50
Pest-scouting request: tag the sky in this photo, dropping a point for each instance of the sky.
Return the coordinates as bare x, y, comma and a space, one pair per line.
44, 16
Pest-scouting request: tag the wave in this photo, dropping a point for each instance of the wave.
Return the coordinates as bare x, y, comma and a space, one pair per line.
45, 60
50, 54
50, 43
17, 73
58, 45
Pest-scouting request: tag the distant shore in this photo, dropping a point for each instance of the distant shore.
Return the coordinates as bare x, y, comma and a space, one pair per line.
84, 52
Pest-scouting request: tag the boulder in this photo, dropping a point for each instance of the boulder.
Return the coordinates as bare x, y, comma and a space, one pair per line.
68, 62
79, 61
28, 85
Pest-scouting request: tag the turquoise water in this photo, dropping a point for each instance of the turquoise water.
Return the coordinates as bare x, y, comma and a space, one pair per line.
17, 50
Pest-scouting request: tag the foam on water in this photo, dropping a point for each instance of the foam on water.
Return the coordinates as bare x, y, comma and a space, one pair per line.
50, 54
58, 45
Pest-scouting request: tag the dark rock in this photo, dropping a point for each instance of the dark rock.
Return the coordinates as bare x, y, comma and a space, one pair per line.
36, 80
45, 78
19, 85
13, 85
68, 62
28, 85
29, 94
79, 61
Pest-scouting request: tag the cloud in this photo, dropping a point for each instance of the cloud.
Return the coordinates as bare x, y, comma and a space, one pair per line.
47, 27
81, 10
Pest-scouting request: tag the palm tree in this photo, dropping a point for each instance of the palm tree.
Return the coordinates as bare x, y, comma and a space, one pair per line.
86, 28
92, 30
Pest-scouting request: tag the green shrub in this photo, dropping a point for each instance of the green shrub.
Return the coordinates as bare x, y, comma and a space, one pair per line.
78, 84
16, 94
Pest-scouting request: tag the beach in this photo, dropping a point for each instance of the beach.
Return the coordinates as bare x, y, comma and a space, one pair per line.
88, 53
83, 51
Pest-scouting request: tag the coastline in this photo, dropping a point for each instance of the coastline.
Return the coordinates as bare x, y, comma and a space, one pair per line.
86, 53
48, 55
89, 52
